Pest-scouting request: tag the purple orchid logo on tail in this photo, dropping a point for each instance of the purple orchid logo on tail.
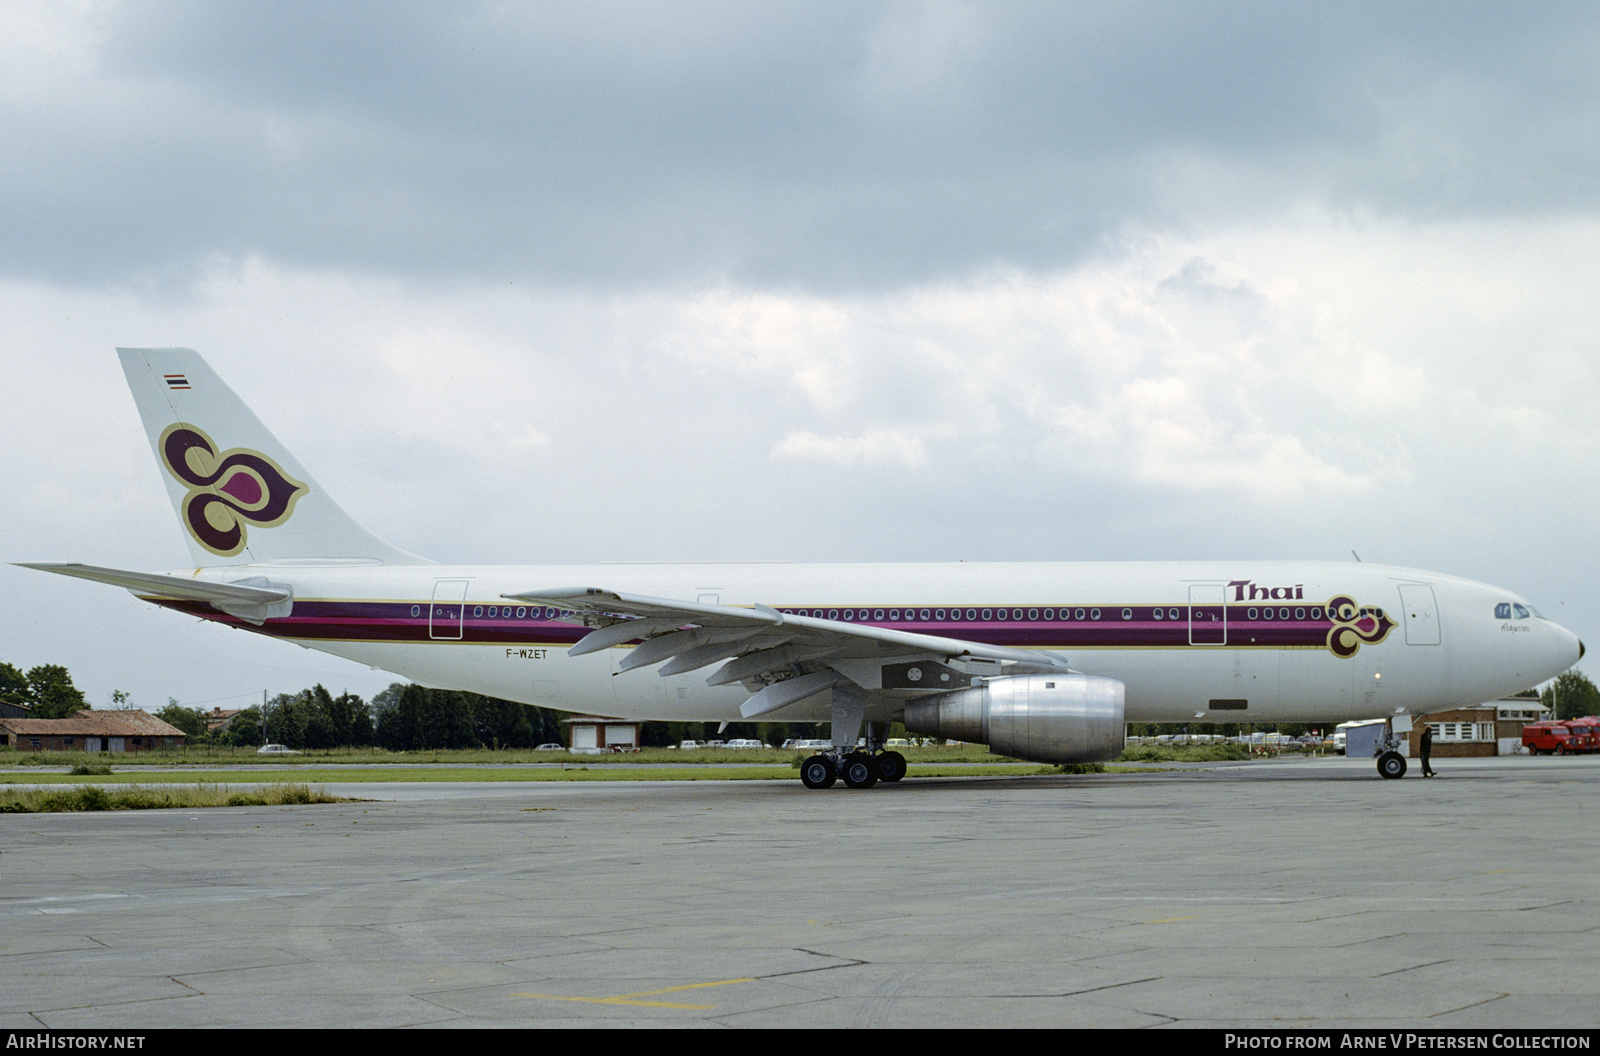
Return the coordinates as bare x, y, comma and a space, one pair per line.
226, 490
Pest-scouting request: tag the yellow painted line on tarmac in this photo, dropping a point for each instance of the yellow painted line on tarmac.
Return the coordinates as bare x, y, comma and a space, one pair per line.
633, 999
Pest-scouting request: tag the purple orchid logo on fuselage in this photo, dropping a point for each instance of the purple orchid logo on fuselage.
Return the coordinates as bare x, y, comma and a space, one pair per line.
1353, 624
226, 489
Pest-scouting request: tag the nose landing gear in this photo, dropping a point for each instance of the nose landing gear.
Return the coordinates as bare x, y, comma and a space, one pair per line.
1391, 765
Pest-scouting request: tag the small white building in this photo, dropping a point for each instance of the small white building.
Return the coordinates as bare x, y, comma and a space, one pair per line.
592, 735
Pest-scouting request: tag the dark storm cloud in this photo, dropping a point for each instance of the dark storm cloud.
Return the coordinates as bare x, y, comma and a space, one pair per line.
823, 145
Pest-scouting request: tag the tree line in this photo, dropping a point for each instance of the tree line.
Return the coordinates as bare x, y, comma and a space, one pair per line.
401, 718
47, 689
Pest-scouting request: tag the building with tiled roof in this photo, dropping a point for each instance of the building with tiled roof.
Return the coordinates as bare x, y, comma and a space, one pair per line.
91, 731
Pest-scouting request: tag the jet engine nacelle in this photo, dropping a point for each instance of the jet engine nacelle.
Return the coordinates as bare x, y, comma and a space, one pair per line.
1066, 718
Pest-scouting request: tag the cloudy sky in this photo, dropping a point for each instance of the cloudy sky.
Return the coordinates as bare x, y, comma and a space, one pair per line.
817, 281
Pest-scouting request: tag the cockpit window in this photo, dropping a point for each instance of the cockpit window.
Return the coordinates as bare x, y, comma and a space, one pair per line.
1521, 611
1511, 609
1502, 611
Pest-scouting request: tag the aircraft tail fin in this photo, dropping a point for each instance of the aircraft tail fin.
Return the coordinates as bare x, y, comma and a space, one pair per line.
241, 497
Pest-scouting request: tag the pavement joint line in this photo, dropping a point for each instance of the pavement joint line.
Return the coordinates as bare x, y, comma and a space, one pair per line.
631, 999
1413, 967
1109, 986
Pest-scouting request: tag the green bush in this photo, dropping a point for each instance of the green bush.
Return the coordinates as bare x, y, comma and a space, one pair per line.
1196, 753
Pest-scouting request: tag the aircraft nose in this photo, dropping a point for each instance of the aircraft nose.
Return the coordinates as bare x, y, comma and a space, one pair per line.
1571, 648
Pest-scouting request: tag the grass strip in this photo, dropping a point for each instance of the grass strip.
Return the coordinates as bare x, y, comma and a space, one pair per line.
95, 797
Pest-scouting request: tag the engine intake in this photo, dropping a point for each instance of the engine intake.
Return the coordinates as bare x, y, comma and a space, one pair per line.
1066, 718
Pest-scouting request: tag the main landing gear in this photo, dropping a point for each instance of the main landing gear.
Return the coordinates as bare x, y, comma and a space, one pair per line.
859, 769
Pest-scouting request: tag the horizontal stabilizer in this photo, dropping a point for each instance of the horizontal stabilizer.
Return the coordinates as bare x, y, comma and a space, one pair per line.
252, 602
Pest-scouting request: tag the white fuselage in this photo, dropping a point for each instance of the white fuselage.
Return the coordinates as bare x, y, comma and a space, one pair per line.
1192, 641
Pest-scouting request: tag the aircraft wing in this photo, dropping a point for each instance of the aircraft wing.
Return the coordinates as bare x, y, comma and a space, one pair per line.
782, 659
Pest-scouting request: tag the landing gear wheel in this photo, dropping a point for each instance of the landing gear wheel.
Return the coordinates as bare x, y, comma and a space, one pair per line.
818, 772
1391, 765
891, 766
859, 771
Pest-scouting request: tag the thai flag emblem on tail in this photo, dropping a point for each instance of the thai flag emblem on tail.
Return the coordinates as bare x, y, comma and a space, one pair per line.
176, 381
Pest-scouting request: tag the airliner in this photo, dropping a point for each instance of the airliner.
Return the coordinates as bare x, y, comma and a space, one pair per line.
1045, 662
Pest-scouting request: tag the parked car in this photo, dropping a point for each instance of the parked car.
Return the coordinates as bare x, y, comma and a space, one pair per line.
1585, 734
276, 749
1547, 738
